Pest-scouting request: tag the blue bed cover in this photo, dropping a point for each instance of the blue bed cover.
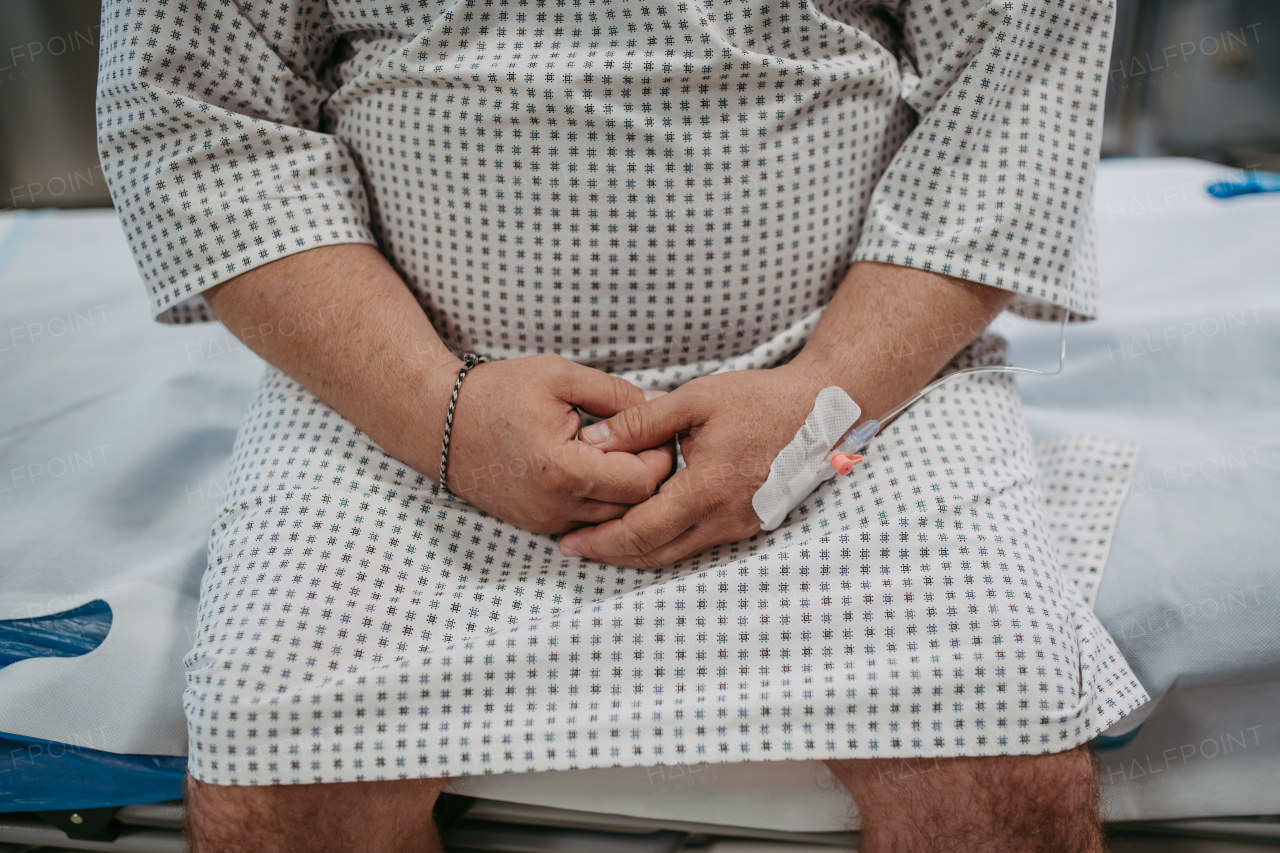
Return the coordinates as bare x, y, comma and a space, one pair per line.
42, 775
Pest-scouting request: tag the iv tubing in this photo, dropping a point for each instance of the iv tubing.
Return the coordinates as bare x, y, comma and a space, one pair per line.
858, 437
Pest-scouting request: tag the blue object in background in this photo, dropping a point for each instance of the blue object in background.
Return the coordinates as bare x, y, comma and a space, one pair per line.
60, 635
43, 775
1115, 741
1252, 182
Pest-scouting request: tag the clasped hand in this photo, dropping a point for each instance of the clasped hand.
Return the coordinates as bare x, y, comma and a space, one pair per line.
525, 459
519, 454
731, 426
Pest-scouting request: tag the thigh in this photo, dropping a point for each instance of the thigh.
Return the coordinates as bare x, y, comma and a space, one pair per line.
1019, 803
345, 817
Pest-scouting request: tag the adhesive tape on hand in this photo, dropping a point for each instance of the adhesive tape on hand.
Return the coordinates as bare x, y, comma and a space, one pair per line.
802, 464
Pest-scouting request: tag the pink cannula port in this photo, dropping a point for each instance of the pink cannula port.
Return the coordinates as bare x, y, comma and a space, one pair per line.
843, 463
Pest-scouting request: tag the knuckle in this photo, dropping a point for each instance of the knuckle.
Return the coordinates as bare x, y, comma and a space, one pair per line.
615, 511
549, 521
540, 514
631, 421
564, 478
622, 390
713, 503
696, 388
644, 489
658, 479
578, 487
549, 362
634, 542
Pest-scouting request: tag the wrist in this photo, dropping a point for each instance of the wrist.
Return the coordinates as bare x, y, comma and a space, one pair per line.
871, 385
815, 368
424, 404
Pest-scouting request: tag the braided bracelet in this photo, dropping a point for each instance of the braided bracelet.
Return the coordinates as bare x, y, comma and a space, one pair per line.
469, 360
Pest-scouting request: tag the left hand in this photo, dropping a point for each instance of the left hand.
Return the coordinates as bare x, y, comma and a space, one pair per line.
731, 427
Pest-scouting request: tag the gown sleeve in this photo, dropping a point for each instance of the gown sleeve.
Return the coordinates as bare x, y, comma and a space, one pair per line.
995, 183
211, 141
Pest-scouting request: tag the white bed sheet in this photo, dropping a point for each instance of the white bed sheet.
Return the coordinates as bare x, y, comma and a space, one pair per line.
144, 416
114, 439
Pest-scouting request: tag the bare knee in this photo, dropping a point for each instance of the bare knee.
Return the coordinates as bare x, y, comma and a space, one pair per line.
1016, 803
378, 817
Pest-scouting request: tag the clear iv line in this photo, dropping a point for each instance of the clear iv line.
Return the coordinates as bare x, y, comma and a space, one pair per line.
845, 454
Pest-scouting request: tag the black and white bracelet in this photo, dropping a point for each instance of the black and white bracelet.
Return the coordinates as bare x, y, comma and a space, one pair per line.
469, 360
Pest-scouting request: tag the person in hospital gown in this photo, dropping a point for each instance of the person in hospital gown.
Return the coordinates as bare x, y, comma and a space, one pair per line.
666, 191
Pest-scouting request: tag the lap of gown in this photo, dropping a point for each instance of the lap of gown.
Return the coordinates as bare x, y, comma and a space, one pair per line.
356, 623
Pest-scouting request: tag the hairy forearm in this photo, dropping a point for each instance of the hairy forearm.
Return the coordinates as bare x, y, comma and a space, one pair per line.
890, 329
340, 321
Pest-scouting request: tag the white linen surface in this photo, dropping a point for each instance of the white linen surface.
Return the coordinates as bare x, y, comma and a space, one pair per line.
114, 439
143, 418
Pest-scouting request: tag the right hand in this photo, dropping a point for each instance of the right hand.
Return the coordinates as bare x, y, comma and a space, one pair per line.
514, 453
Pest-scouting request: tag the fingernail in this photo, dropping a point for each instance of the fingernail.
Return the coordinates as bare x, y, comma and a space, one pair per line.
568, 551
595, 434
653, 393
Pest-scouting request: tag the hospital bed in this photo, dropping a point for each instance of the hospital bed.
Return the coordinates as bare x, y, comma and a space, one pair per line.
115, 436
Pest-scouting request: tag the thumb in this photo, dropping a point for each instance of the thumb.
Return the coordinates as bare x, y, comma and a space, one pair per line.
638, 428
599, 393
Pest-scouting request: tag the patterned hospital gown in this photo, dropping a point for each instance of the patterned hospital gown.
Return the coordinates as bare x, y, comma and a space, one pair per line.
661, 189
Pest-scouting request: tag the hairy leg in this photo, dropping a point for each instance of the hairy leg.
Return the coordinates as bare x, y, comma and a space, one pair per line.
344, 817
1018, 804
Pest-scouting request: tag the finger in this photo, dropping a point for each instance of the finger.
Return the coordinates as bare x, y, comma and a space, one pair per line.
660, 460
616, 477
598, 512
643, 426
597, 392
693, 541
645, 528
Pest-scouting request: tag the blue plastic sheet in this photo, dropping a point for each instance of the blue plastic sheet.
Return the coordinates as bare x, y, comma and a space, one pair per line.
60, 635
42, 775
